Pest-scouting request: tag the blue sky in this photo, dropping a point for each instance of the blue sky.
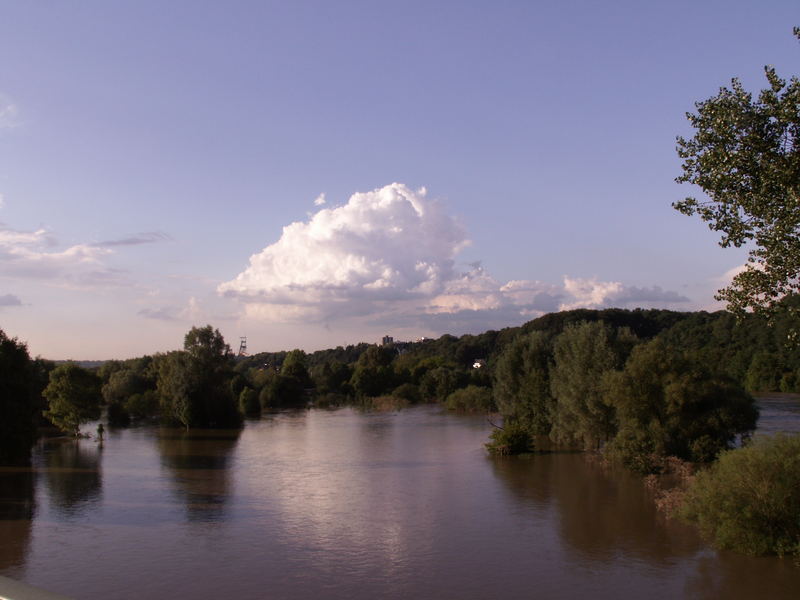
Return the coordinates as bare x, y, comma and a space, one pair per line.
481, 163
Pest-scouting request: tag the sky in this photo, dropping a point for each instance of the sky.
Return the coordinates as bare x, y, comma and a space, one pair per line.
315, 174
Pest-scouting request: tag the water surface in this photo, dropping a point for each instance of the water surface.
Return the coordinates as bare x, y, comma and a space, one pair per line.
340, 504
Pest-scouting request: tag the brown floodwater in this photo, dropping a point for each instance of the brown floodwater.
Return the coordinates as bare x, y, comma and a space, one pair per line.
341, 504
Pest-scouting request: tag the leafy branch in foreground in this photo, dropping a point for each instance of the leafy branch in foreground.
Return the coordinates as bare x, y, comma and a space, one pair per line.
745, 156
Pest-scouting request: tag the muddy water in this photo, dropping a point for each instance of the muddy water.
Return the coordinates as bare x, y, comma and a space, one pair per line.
340, 504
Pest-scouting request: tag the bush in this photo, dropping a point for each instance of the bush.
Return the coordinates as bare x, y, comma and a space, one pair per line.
407, 391
471, 399
749, 500
383, 403
142, 406
511, 439
248, 402
330, 400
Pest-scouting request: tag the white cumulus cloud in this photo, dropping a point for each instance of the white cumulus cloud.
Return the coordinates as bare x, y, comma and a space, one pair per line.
387, 257
389, 244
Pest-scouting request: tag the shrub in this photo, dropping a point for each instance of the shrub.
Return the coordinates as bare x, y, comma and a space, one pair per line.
471, 399
330, 400
511, 439
408, 391
142, 406
248, 402
749, 500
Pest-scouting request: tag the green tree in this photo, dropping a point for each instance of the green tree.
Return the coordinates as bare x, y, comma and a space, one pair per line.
373, 374
281, 390
669, 405
745, 156
248, 402
471, 399
121, 385
294, 366
194, 384
73, 397
333, 378
16, 399
583, 353
522, 382
748, 500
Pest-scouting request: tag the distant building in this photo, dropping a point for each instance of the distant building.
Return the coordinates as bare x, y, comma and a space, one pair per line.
387, 339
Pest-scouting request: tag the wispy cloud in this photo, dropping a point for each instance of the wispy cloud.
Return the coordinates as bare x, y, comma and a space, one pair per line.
164, 313
387, 257
191, 311
147, 237
33, 255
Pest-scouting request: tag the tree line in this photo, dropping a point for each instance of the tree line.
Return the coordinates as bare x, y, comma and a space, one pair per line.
569, 376
642, 385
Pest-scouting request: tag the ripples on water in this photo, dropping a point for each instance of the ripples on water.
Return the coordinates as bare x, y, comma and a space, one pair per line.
339, 504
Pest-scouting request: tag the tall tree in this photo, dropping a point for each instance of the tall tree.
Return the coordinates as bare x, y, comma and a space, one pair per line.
584, 352
745, 156
16, 399
194, 384
522, 383
73, 397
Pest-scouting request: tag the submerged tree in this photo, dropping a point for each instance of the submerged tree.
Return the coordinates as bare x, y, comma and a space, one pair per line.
522, 383
194, 383
584, 352
73, 397
669, 405
745, 155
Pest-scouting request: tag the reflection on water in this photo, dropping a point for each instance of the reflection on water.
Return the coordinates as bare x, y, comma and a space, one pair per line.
778, 413
198, 463
602, 511
339, 504
17, 511
73, 475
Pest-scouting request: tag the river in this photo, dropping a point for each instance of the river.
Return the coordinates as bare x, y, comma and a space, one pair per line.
341, 504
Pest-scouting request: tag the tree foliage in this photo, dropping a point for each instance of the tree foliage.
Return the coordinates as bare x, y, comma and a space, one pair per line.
471, 399
522, 382
745, 156
583, 353
16, 399
749, 500
194, 384
73, 397
669, 405
512, 439
248, 402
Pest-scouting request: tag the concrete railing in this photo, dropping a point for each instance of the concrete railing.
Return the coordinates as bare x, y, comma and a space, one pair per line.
16, 590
